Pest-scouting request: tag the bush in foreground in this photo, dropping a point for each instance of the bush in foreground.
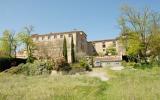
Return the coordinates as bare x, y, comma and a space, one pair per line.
6, 63
35, 68
61, 65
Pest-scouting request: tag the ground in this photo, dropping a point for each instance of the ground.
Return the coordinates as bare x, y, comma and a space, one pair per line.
126, 84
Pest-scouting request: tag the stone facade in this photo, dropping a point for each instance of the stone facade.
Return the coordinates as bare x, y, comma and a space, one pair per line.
51, 45
99, 47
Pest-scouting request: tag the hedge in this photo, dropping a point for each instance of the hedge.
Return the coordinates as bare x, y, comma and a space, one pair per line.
6, 63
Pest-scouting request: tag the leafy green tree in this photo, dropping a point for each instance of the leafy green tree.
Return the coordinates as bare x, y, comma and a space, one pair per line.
26, 39
137, 31
111, 50
5, 44
8, 44
155, 47
72, 50
65, 49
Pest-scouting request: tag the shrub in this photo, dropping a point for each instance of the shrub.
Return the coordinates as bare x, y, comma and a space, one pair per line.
61, 65
84, 64
6, 63
143, 65
13, 70
35, 68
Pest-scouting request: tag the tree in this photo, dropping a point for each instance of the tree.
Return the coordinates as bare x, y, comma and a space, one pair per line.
8, 43
72, 50
111, 50
137, 30
65, 49
25, 38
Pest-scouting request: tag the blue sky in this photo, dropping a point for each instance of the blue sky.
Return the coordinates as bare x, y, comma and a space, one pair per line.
97, 18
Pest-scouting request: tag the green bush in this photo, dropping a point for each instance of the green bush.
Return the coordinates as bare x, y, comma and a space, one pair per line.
143, 65
61, 65
6, 63
84, 64
35, 68
13, 70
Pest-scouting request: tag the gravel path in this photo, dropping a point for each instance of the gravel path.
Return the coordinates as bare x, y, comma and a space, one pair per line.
100, 75
117, 68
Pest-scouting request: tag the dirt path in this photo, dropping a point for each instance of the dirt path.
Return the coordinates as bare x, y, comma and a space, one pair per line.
117, 68
99, 74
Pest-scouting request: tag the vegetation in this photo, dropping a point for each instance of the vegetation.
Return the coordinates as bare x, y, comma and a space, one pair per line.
111, 50
127, 84
65, 49
130, 84
26, 39
36, 68
8, 44
138, 81
72, 50
61, 65
6, 63
140, 33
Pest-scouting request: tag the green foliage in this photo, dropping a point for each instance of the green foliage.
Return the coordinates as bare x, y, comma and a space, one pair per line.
155, 46
13, 70
8, 44
140, 84
61, 65
6, 63
84, 64
111, 50
26, 39
122, 85
5, 43
65, 49
58, 87
138, 31
133, 43
30, 59
36, 68
72, 50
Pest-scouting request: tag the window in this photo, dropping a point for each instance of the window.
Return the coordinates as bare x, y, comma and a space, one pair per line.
69, 35
104, 46
55, 36
61, 36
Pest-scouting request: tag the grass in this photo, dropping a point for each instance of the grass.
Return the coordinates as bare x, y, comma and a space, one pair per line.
19, 87
132, 84
127, 84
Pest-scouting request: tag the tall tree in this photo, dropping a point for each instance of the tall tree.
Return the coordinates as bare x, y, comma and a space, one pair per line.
136, 28
8, 43
72, 50
65, 49
25, 38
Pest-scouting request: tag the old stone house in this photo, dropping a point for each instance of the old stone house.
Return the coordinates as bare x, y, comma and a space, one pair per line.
51, 44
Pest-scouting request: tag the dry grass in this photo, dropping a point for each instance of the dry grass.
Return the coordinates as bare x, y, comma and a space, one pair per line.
127, 84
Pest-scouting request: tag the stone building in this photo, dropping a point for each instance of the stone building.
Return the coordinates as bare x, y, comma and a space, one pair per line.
51, 45
99, 47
